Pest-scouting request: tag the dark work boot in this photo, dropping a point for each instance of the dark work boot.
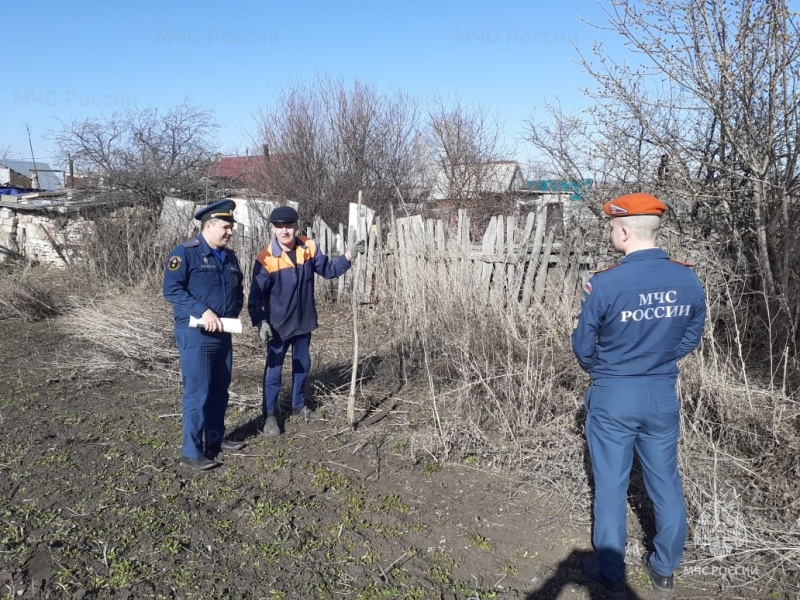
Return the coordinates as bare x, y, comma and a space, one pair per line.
199, 464
663, 585
231, 445
613, 590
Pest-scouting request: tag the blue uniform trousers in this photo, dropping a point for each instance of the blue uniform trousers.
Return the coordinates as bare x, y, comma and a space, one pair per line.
624, 414
301, 365
206, 360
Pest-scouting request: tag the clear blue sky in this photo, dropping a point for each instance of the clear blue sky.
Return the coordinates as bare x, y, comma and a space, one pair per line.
82, 58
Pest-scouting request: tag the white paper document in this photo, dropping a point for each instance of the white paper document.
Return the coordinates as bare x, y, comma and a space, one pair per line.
228, 325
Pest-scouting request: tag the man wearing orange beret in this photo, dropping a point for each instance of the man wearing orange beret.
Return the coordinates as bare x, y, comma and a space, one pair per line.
637, 320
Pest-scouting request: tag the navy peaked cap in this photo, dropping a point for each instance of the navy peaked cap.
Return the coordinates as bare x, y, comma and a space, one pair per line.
222, 209
284, 214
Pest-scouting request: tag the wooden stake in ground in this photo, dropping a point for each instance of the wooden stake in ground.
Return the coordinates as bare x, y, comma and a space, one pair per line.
351, 399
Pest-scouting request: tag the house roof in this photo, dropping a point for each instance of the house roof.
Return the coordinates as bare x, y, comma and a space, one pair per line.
499, 176
47, 181
241, 169
577, 188
493, 177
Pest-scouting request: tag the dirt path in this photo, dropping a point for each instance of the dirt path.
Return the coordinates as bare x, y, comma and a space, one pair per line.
95, 505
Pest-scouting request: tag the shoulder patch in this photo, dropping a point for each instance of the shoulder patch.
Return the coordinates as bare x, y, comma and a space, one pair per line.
191, 243
174, 263
587, 287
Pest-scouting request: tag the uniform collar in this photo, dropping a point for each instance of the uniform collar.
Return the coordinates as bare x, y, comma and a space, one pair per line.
647, 254
207, 250
204, 245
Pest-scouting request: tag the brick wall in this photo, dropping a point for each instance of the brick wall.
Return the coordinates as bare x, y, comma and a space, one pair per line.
41, 236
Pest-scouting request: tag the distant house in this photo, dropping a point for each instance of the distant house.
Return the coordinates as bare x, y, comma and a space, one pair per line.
246, 172
564, 199
561, 189
503, 177
30, 175
238, 171
480, 179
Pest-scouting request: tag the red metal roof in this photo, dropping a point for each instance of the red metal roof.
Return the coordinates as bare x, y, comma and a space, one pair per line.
240, 169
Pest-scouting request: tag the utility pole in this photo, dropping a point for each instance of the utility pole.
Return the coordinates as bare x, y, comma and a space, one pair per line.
34, 174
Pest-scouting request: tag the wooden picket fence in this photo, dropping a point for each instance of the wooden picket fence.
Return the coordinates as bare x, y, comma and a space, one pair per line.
521, 259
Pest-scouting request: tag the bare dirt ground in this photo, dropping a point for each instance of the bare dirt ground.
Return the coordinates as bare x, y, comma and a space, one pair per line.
94, 502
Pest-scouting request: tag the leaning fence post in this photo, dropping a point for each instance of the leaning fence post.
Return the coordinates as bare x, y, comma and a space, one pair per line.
351, 399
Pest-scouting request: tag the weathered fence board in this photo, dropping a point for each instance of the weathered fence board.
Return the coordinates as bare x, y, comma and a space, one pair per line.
516, 260
543, 268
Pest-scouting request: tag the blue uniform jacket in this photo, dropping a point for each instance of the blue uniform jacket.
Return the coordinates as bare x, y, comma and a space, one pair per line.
639, 317
283, 293
195, 280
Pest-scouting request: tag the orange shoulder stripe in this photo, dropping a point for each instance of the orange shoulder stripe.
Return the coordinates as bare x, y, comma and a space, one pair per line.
265, 252
685, 264
606, 268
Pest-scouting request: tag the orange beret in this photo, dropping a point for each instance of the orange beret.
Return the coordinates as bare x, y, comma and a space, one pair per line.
634, 204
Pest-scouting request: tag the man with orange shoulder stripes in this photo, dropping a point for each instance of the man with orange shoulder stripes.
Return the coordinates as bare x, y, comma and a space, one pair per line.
281, 305
637, 320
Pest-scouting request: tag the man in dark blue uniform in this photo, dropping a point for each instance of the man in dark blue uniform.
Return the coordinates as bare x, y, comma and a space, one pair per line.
637, 320
202, 279
282, 306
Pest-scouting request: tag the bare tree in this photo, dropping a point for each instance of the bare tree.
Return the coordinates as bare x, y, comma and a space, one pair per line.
703, 108
151, 153
563, 140
328, 140
462, 143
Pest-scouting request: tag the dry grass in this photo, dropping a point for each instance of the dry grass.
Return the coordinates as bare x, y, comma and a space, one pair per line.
29, 293
129, 329
503, 387
484, 383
